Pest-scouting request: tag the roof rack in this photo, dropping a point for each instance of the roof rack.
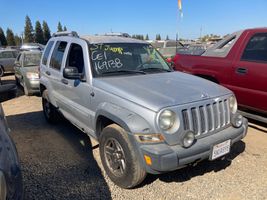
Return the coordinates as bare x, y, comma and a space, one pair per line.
66, 33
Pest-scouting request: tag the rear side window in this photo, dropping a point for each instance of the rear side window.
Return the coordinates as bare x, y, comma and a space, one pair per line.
57, 56
256, 49
47, 51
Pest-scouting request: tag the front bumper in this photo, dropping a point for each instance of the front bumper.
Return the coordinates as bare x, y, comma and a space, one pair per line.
33, 86
168, 158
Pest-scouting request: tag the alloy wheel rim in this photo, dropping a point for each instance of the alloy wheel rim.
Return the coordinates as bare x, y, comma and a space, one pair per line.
115, 157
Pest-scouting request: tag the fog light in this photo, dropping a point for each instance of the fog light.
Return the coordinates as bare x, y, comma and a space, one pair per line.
3, 189
238, 121
188, 139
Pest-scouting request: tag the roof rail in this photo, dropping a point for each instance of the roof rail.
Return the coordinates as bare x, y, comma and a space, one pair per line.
66, 33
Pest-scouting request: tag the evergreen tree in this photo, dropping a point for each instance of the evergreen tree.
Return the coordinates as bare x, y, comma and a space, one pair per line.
59, 27
39, 35
46, 32
65, 28
147, 38
18, 40
10, 37
158, 37
28, 30
3, 41
167, 37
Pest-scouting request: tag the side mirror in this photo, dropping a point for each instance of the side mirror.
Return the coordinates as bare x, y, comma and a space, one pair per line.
71, 73
7, 91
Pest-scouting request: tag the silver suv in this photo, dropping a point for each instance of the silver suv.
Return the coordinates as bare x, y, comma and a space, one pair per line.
146, 117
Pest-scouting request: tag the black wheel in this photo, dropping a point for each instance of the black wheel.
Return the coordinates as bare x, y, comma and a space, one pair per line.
119, 158
17, 81
50, 112
1, 71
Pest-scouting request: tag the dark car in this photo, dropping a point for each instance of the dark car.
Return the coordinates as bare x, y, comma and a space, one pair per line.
10, 171
26, 71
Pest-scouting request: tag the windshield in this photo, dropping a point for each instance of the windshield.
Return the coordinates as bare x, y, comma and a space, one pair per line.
32, 59
126, 58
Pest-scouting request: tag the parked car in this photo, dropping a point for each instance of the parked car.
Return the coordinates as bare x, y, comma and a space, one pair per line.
146, 117
10, 171
238, 62
27, 71
7, 59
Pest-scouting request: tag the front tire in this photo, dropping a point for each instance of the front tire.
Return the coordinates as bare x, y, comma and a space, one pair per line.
1, 71
119, 158
50, 112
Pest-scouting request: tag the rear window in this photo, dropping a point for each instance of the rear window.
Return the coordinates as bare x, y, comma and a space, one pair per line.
256, 49
46, 53
57, 56
7, 54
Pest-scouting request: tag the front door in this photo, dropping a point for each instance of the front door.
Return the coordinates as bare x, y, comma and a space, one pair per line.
250, 73
77, 92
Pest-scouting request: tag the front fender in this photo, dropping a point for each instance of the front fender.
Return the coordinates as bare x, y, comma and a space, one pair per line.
130, 121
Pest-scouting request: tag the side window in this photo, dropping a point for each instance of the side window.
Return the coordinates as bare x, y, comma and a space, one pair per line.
256, 49
1, 55
75, 57
7, 54
47, 51
57, 56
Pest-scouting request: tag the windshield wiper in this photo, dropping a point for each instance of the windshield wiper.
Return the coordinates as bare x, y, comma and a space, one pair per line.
156, 69
124, 72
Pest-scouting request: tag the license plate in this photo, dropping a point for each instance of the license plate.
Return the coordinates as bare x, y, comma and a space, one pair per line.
221, 149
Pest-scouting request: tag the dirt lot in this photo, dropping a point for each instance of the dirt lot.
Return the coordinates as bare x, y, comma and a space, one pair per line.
60, 162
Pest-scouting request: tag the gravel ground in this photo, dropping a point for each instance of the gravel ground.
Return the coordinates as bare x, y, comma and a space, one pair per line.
60, 162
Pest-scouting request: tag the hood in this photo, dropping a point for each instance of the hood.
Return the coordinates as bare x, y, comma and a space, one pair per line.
31, 69
156, 91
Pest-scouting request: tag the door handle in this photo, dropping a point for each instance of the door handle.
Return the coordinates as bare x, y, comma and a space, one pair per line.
48, 73
66, 82
241, 70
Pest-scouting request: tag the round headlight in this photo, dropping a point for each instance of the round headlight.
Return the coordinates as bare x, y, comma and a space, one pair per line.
3, 187
188, 139
167, 119
233, 104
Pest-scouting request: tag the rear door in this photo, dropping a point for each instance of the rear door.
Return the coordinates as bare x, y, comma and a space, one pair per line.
250, 72
76, 93
54, 73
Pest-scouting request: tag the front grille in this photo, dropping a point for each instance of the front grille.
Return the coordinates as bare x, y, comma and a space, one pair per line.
206, 118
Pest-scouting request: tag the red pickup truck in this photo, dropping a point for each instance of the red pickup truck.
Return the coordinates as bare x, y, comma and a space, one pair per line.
238, 62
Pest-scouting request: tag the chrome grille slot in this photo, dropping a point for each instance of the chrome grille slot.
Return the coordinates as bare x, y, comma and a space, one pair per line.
206, 118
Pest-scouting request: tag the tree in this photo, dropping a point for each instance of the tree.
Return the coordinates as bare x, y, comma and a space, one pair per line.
147, 38
167, 37
10, 37
28, 30
158, 37
39, 35
3, 41
46, 32
65, 28
59, 27
18, 40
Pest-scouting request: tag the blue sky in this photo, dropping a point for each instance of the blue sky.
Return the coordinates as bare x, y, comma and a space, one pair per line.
138, 16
